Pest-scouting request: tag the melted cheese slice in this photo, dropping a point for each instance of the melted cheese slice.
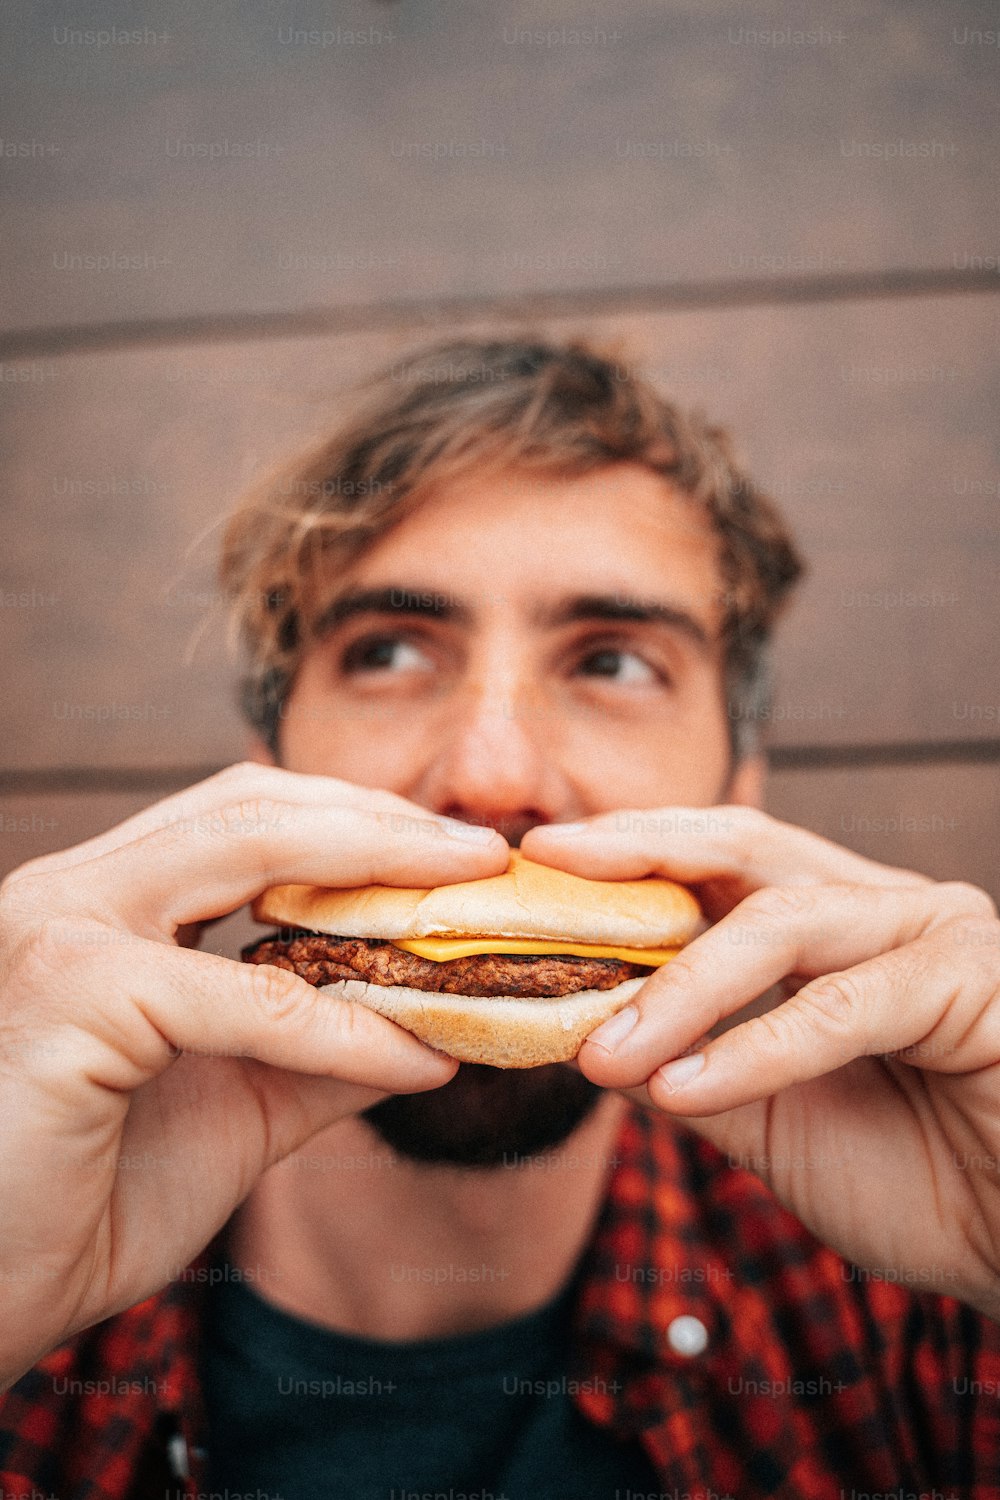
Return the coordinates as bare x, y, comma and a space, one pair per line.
443, 949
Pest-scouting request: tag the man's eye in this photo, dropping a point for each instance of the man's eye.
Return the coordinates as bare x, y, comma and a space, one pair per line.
383, 653
621, 666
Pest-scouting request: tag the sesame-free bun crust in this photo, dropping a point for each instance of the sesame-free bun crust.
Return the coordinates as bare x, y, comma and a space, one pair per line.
528, 900
501, 1031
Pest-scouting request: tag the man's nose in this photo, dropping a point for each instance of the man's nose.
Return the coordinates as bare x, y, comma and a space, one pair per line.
493, 764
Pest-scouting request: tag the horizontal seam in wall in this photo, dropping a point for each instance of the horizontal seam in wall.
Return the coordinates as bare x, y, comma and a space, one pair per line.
430, 313
834, 757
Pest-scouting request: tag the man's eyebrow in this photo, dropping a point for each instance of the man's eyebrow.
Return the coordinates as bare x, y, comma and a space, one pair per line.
628, 607
394, 599
409, 600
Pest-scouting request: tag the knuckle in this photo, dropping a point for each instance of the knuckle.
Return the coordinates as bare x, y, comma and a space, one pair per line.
765, 1035
239, 777
11, 883
279, 997
253, 816
748, 830
36, 964
968, 899
21, 889
683, 969
32, 965
10, 896
978, 936
835, 1000
747, 827
780, 903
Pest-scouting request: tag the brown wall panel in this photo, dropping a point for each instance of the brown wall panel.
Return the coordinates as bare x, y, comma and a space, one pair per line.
941, 820
873, 423
260, 158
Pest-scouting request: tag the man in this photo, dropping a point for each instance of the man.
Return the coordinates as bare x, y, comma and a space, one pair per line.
516, 599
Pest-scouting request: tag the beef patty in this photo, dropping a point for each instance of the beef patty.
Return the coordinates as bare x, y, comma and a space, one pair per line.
322, 959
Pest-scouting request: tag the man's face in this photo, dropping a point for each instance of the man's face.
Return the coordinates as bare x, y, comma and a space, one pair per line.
521, 650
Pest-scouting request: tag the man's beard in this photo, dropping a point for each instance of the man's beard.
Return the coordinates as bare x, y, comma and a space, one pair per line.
486, 1117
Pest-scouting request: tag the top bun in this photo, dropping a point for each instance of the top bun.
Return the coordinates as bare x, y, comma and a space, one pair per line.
528, 900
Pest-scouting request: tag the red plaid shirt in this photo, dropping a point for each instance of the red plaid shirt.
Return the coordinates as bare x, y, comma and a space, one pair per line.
815, 1382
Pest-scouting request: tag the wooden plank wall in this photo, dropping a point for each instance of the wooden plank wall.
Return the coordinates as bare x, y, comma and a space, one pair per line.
218, 222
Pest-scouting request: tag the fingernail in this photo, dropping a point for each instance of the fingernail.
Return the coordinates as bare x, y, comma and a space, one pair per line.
613, 1031
469, 833
676, 1074
566, 830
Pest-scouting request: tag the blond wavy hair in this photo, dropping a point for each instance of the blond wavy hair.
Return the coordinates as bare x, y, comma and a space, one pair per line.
466, 405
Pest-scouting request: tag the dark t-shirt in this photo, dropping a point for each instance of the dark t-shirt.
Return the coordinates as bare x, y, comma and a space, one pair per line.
297, 1411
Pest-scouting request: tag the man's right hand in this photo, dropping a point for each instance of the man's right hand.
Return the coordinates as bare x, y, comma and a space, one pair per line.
146, 1086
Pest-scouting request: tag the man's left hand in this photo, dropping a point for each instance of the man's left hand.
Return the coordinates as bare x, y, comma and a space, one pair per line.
869, 1100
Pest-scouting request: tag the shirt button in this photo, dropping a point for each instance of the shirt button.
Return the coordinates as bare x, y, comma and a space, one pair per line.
177, 1456
687, 1335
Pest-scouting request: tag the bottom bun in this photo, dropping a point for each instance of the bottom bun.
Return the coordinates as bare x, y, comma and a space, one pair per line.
501, 1031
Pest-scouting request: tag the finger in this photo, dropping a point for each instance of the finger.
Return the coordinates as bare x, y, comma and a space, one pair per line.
174, 876
198, 807
133, 1006
776, 932
904, 1003
695, 844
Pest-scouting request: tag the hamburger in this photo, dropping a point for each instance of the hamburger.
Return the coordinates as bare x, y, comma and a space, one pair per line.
513, 970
